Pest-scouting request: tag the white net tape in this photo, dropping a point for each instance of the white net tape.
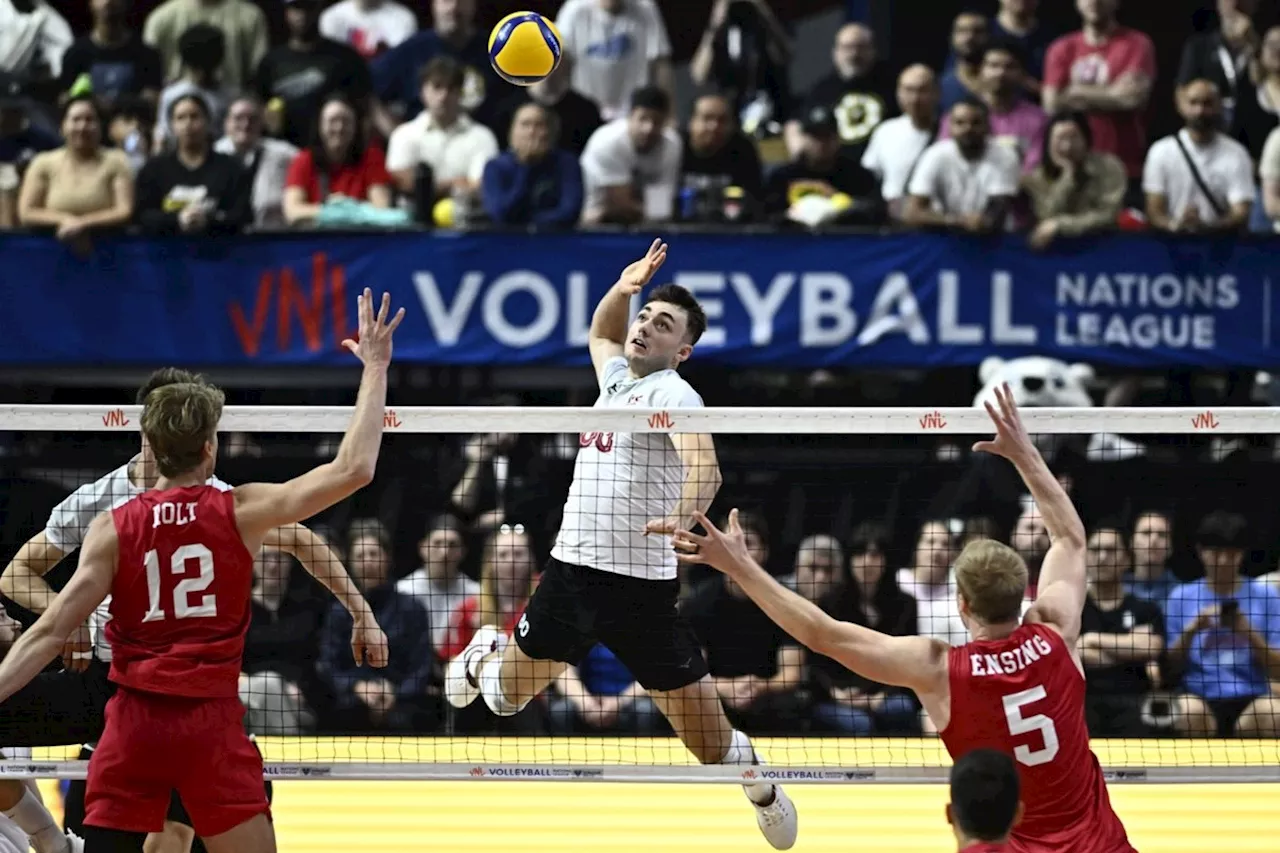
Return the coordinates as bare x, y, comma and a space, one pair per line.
884, 447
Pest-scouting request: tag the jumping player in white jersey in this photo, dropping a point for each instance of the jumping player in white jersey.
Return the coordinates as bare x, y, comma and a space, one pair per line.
612, 574
67, 707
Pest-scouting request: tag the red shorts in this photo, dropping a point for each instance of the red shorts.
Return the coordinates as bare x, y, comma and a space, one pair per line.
154, 745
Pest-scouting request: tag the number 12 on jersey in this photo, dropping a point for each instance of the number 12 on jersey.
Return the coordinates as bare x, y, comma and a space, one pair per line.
1021, 725
183, 608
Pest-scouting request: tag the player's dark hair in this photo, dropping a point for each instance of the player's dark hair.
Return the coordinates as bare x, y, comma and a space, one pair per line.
651, 98
1221, 529
166, 376
443, 71
177, 421
984, 794
678, 296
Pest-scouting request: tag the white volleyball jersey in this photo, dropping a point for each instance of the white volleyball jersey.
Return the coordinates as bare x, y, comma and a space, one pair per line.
622, 480
69, 522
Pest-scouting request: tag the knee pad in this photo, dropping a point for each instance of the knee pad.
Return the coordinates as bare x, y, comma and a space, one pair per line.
491, 690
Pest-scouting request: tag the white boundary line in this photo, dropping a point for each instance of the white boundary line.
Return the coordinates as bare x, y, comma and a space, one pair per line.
634, 774
728, 421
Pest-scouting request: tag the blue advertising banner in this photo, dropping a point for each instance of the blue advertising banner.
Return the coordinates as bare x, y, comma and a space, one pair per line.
905, 300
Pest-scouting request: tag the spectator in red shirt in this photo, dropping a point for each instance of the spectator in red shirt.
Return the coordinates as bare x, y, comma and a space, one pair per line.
506, 583
1105, 71
341, 162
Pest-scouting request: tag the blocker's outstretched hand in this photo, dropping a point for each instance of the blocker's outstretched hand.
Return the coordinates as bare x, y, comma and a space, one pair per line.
638, 274
374, 344
723, 550
1011, 440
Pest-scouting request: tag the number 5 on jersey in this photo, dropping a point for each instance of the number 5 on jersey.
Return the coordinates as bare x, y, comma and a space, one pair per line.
1020, 725
183, 608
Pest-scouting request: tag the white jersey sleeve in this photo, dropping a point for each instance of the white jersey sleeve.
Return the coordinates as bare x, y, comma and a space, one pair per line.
69, 520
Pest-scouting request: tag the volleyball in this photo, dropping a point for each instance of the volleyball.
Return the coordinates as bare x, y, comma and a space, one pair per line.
524, 48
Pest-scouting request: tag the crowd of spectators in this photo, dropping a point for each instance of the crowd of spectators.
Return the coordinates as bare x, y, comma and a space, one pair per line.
361, 118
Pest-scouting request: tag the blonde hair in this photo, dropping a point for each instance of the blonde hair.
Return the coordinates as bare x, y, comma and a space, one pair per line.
993, 580
487, 607
177, 421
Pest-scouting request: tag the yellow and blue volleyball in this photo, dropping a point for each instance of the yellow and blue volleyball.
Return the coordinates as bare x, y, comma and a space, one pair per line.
524, 48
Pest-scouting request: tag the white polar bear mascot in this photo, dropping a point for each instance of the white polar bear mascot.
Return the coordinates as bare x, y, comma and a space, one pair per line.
1039, 382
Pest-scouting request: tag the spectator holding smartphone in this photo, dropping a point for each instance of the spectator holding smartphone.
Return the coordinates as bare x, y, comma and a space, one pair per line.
1224, 635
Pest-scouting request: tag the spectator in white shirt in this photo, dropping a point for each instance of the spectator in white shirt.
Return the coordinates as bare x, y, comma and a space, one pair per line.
265, 160
618, 46
439, 584
1176, 199
442, 138
967, 182
631, 166
33, 39
897, 144
1269, 171
370, 27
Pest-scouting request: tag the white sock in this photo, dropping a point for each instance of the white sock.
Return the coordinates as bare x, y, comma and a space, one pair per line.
740, 751
34, 819
491, 689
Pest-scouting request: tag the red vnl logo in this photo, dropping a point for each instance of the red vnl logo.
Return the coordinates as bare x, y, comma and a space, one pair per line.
115, 418
1205, 420
390, 420
477, 771
933, 420
661, 420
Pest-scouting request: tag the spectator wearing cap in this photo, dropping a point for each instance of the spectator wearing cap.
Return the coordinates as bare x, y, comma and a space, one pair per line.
266, 160
631, 166
112, 59
578, 115
20, 140
192, 189
1224, 638
869, 596
827, 171
1199, 180
33, 39
1075, 190
80, 187
858, 92
969, 38
241, 22
1015, 121
618, 46
397, 81
294, 79
717, 156
898, 143
533, 182
202, 50
341, 162
967, 182
1105, 71
443, 148
370, 27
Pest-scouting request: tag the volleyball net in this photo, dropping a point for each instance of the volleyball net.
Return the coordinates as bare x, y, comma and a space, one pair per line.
862, 511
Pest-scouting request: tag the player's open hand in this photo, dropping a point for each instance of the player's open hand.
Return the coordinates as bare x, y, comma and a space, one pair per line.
77, 651
368, 643
374, 344
723, 550
1011, 440
636, 276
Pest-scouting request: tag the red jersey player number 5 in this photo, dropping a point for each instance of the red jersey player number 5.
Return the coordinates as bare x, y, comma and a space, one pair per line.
178, 564
1017, 687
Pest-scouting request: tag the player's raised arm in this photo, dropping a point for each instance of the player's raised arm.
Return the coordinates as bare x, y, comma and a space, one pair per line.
609, 322
1061, 592
261, 507
87, 588
917, 663
702, 480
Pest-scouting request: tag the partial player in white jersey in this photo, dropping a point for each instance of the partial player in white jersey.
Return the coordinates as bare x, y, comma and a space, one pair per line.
68, 707
612, 574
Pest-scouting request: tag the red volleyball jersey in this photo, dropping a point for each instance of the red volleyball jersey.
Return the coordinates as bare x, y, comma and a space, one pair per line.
1024, 695
180, 600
